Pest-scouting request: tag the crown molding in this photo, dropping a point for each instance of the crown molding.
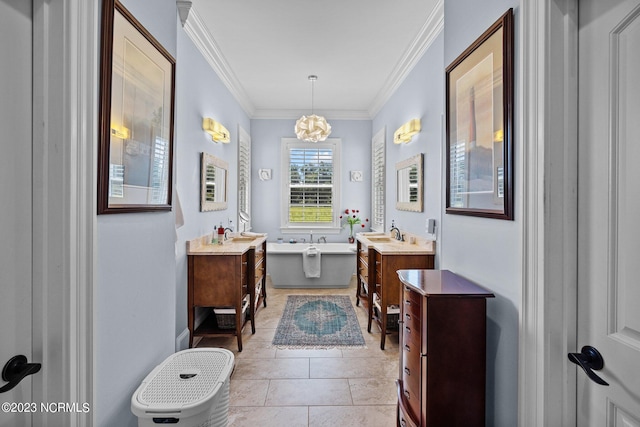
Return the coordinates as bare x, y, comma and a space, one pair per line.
184, 6
428, 33
290, 114
197, 31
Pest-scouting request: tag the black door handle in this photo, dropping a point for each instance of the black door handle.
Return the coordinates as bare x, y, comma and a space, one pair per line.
589, 359
15, 370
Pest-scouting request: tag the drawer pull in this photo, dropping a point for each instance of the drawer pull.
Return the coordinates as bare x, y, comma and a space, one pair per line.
403, 423
407, 371
407, 302
407, 348
407, 315
407, 394
407, 329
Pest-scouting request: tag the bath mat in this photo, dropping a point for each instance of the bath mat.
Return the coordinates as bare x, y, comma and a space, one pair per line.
315, 322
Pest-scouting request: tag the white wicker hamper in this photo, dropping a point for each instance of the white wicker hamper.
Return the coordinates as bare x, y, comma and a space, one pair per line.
190, 388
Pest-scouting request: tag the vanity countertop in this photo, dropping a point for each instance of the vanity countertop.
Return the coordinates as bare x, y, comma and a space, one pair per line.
240, 245
386, 244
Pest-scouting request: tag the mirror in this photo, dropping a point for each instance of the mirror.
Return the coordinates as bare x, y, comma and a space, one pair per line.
244, 220
213, 182
409, 184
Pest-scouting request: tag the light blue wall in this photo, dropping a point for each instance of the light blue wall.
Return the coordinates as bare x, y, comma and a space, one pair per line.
489, 251
356, 155
140, 294
419, 96
135, 302
200, 93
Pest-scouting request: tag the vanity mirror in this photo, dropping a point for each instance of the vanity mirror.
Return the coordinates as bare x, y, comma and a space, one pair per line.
409, 184
213, 182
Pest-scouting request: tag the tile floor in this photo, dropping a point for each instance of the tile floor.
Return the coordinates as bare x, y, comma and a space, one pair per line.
310, 388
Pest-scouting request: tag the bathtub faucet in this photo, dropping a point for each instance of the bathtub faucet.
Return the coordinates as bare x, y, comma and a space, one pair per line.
324, 239
311, 233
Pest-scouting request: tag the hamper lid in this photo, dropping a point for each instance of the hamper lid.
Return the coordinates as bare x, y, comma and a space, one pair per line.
184, 380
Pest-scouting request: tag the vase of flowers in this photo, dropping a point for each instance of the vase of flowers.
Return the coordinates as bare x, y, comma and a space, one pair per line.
352, 217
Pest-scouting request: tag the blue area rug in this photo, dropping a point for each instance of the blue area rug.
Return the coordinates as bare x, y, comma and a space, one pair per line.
314, 322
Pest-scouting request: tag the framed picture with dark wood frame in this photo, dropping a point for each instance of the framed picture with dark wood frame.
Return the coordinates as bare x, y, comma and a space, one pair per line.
479, 125
137, 84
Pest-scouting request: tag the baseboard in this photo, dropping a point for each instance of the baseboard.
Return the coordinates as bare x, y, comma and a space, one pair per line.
182, 342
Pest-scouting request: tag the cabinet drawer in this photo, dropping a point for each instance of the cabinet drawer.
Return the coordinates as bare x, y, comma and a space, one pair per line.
411, 307
405, 418
412, 296
411, 336
411, 376
411, 320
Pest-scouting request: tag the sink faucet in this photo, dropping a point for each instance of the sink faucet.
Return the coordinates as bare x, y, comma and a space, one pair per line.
397, 230
226, 230
324, 239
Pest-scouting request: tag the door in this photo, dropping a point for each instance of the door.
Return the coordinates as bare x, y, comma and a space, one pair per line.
16, 195
609, 209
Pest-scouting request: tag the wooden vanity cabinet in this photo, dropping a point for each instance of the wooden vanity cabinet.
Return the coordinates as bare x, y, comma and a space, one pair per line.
225, 281
387, 284
362, 278
257, 280
442, 350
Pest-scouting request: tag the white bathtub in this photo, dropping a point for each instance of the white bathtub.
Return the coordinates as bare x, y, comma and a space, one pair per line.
337, 265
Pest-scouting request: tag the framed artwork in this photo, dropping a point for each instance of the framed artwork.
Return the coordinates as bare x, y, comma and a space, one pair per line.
137, 83
479, 126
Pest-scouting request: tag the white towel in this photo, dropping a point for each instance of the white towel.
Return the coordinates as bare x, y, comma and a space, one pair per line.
251, 234
311, 262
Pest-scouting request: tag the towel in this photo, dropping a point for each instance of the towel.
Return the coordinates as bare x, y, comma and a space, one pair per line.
251, 234
311, 262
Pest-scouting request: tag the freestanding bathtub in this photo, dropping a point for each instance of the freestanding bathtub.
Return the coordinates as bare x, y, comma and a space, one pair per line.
337, 265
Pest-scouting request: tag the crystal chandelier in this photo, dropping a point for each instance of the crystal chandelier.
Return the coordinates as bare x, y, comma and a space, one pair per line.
312, 128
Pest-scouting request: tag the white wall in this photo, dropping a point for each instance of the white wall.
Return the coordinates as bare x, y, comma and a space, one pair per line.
135, 305
356, 155
489, 251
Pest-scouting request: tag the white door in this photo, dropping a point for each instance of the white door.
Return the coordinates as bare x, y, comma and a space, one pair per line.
609, 209
15, 196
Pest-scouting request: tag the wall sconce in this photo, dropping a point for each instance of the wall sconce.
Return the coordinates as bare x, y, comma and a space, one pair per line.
119, 132
218, 132
406, 131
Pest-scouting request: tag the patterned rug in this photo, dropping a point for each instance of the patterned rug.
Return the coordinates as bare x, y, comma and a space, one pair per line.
315, 322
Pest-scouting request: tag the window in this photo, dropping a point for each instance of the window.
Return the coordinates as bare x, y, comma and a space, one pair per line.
244, 178
378, 180
311, 185
458, 175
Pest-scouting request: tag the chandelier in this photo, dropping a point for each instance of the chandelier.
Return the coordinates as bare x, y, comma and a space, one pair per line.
312, 128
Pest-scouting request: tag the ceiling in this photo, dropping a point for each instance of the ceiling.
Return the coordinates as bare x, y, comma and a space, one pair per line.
264, 51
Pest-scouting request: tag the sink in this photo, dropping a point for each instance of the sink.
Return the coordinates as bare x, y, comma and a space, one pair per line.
243, 239
380, 239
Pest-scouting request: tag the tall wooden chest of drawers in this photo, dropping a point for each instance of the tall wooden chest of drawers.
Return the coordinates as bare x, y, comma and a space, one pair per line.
442, 350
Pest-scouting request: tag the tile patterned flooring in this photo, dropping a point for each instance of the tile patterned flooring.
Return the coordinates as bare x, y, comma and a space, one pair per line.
310, 388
